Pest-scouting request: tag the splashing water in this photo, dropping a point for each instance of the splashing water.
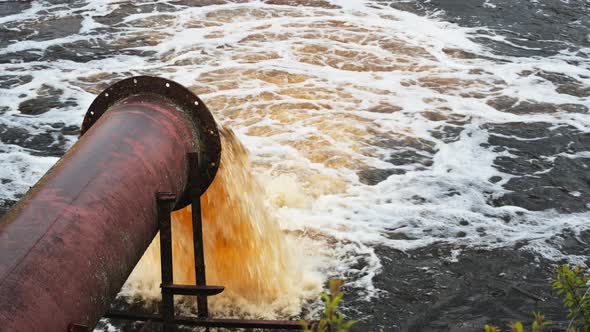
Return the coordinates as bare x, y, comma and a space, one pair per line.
245, 249
367, 126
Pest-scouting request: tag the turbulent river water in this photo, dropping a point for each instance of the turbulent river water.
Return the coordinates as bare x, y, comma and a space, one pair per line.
425, 151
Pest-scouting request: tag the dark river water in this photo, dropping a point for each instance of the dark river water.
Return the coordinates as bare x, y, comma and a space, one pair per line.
434, 154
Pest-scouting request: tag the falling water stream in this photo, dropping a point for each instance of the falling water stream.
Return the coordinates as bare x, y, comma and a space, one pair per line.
246, 251
351, 126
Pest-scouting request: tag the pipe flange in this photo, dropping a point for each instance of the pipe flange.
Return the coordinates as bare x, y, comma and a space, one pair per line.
209, 143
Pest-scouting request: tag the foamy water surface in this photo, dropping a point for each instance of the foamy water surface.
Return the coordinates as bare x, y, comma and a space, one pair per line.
366, 125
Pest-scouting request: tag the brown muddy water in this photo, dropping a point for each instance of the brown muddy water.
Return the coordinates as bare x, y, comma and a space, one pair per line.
433, 154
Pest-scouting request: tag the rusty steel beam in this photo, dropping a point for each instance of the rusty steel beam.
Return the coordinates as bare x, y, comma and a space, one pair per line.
192, 290
213, 322
70, 243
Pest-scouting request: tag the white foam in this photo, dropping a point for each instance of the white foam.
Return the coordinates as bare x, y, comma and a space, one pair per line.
340, 217
22, 169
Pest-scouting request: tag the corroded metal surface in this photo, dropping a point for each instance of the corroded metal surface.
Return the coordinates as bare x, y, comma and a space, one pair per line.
209, 143
68, 246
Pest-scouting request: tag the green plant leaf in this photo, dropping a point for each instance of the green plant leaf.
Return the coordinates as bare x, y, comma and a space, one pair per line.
517, 327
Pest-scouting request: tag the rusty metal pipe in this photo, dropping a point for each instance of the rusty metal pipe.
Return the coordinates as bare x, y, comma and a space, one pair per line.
70, 243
